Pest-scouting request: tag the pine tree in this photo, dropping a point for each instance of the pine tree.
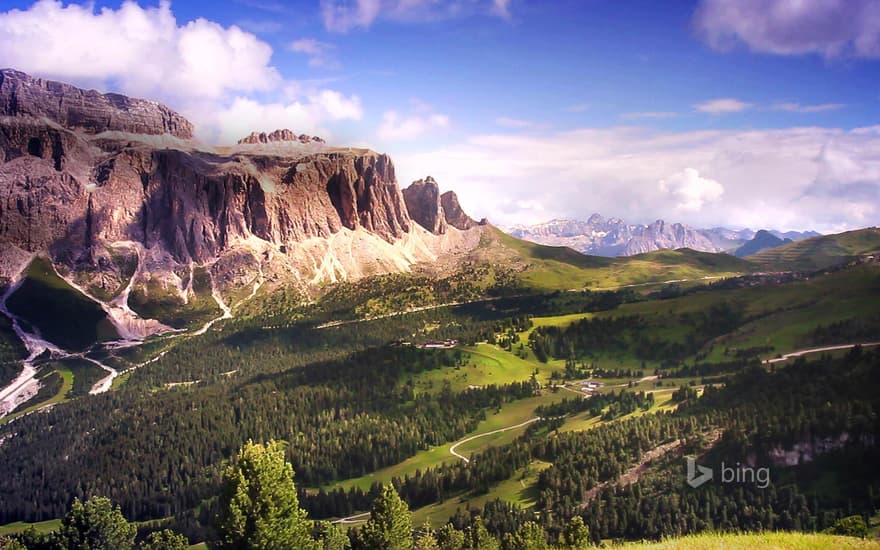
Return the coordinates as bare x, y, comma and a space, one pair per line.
530, 536
97, 525
450, 538
575, 534
426, 540
390, 524
259, 506
165, 540
478, 538
331, 537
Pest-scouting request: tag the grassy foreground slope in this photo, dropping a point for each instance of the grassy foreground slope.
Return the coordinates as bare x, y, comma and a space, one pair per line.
756, 541
820, 252
544, 267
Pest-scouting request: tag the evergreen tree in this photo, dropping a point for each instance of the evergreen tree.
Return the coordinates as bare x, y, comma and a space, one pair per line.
390, 524
575, 534
426, 540
259, 506
165, 539
529, 537
450, 538
478, 538
7, 543
96, 525
331, 537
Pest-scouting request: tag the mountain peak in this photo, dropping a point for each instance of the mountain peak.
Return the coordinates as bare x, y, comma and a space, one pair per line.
278, 136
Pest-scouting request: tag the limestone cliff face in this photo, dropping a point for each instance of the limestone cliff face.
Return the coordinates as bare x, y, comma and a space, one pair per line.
86, 110
89, 198
455, 216
423, 202
433, 211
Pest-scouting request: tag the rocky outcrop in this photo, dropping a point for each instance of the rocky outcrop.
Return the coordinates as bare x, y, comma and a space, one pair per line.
86, 110
455, 216
278, 136
90, 199
422, 199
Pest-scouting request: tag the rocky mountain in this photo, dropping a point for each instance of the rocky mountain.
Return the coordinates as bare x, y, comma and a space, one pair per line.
436, 212
278, 136
762, 240
614, 237
86, 110
120, 199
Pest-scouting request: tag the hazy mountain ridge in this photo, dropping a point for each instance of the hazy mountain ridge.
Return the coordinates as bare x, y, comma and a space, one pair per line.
761, 241
615, 237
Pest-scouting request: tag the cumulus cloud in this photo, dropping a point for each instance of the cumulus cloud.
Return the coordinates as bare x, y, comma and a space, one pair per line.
143, 51
722, 106
691, 190
830, 28
345, 15
307, 115
395, 127
207, 71
797, 178
320, 53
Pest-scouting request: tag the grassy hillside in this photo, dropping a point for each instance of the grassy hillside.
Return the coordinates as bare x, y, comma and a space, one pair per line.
544, 267
820, 252
758, 541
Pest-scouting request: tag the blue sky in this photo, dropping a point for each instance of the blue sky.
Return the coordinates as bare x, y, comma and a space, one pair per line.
738, 112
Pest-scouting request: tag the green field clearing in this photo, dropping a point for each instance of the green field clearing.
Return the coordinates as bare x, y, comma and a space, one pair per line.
510, 414
519, 489
757, 541
21, 526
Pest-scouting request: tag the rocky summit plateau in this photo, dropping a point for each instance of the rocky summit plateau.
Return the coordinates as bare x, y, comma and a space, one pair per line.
116, 194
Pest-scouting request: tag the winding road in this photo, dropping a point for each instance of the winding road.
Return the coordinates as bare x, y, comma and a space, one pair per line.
817, 350
493, 432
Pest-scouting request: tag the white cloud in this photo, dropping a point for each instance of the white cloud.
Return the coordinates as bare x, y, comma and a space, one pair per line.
143, 51
796, 178
648, 114
501, 8
722, 106
345, 15
818, 108
320, 53
830, 28
395, 127
201, 68
691, 191
307, 115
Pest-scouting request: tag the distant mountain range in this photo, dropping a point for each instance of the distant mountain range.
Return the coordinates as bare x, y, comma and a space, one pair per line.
602, 236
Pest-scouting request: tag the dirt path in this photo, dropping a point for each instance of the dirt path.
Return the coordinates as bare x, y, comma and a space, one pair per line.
493, 432
357, 518
632, 474
817, 350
